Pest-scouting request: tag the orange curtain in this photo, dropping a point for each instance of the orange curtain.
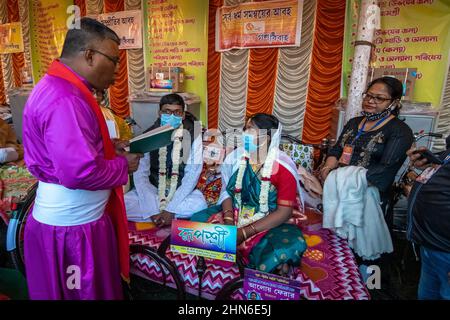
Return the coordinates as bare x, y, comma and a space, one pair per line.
262, 75
18, 59
119, 91
82, 5
213, 67
325, 75
2, 86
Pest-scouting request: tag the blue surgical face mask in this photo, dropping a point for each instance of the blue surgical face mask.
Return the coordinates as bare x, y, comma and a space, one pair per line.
249, 142
171, 119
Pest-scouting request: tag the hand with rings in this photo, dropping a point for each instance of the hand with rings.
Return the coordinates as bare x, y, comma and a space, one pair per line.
163, 219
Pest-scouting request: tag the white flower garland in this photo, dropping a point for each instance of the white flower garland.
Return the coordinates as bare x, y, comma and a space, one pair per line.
162, 179
265, 187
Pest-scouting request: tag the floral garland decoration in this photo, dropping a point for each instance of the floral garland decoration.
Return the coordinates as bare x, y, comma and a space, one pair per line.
265, 187
162, 181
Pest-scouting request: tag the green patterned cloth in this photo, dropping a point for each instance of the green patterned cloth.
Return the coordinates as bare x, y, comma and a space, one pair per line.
283, 244
302, 155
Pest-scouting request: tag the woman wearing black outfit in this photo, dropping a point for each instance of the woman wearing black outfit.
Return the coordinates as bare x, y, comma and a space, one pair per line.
377, 140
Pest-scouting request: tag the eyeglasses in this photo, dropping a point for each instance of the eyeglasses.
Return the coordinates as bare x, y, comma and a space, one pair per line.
175, 112
114, 60
377, 100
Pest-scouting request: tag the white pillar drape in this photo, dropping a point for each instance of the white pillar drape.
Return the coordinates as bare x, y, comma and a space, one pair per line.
369, 21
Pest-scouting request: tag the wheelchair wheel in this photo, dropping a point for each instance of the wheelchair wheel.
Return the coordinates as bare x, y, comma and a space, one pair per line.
16, 231
167, 267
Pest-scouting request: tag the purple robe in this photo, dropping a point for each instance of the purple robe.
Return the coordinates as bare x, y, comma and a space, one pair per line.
63, 145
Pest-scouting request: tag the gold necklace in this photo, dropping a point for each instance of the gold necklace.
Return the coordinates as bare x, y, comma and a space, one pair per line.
256, 167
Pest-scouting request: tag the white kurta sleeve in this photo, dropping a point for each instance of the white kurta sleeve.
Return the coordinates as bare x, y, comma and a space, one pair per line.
142, 183
192, 173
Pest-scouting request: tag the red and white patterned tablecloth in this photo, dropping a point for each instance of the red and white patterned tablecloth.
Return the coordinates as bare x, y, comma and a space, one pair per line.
328, 269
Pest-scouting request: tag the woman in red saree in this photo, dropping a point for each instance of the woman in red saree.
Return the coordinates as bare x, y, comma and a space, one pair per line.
259, 192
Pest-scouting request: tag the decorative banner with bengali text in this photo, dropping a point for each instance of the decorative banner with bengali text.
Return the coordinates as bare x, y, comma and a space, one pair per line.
259, 25
127, 25
208, 240
11, 40
177, 36
48, 28
266, 286
414, 34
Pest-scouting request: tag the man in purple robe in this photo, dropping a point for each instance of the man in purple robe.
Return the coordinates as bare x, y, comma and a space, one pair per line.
75, 239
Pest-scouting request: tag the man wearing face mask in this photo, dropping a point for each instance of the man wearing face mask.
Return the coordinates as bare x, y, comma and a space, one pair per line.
165, 185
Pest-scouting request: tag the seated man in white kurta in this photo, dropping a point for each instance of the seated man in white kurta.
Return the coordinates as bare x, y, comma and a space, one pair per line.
161, 200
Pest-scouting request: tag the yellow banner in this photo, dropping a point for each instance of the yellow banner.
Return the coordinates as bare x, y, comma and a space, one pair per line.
259, 24
177, 36
127, 25
48, 27
413, 34
11, 40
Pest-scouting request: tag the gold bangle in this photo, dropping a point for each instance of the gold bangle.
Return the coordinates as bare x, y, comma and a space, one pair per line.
244, 233
326, 167
231, 211
229, 219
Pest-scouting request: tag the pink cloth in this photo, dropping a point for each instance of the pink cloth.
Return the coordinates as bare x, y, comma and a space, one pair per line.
51, 251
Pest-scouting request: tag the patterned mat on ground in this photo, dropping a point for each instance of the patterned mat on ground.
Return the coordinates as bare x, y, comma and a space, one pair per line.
328, 269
